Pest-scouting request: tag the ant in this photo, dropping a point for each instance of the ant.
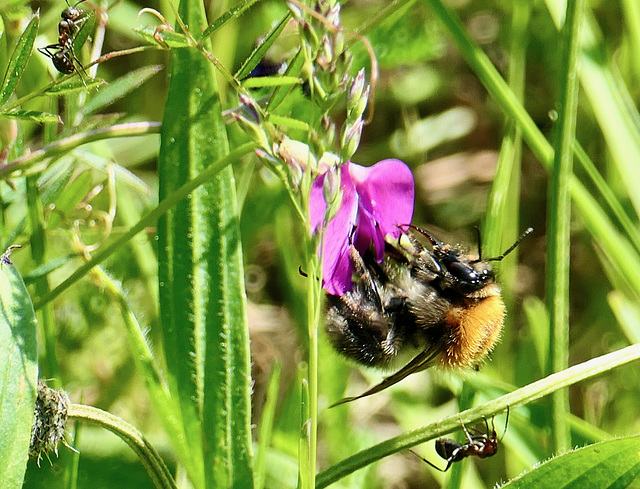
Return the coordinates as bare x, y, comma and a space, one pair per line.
481, 445
64, 58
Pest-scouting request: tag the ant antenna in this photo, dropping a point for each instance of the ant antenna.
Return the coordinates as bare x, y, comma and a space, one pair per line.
513, 246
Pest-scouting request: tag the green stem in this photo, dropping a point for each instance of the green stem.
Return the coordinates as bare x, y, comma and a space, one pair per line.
67, 144
560, 219
314, 295
151, 460
159, 395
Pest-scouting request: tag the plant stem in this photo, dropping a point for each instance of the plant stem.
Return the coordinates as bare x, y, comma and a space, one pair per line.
560, 220
151, 460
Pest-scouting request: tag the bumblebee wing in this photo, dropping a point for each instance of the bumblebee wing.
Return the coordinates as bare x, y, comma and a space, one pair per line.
420, 362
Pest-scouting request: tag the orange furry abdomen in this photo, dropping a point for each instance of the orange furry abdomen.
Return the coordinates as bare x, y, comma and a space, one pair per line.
473, 328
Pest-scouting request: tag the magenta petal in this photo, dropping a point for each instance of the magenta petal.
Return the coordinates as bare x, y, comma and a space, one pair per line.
336, 264
367, 232
386, 192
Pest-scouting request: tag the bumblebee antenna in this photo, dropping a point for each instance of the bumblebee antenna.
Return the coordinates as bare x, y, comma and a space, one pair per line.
432, 240
513, 246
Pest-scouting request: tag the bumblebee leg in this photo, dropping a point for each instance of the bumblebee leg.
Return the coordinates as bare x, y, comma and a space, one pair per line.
366, 279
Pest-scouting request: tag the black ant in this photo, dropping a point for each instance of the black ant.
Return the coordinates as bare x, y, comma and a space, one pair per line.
72, 18
481, 445
64, 58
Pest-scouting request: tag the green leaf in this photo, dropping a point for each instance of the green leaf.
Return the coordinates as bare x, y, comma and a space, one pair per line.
258, 53
236, 11
19, 59
606, 465
86, 28
203, 310
18, 374
119, 88
32, 115
66, 86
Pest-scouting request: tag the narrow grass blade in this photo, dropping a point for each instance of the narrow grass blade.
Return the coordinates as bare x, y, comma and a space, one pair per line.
608, 97
559, 212
266, 425
524, 395
613, 244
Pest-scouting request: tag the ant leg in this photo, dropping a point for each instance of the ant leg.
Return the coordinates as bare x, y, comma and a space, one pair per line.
432, 464
506, 422
466, 431
45, 50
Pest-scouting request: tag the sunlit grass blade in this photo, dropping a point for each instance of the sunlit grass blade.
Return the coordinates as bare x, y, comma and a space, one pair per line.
627, 313
614, 245
559, 216
19, 59
609, 196
270, 81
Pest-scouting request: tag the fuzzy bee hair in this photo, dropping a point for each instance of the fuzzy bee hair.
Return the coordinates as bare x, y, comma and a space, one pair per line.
440, 302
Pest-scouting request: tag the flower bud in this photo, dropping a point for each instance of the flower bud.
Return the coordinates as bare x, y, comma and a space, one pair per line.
351, 138
355, 90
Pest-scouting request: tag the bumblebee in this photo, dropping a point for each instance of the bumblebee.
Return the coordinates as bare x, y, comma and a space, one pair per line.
440, 302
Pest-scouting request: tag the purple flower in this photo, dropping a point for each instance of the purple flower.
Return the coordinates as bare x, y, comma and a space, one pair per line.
375, 200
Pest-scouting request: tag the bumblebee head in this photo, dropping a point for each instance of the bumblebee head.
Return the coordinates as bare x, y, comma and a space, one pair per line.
457, 270
464, 275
